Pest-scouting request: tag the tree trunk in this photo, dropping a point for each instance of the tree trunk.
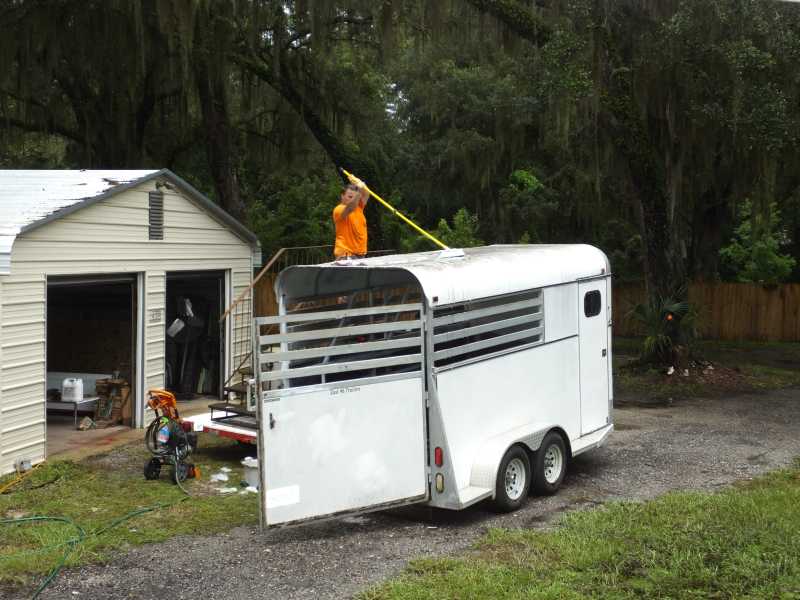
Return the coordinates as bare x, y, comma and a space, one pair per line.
221, 139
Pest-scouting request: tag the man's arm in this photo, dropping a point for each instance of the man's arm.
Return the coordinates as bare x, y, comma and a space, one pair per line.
363, 194
348, 208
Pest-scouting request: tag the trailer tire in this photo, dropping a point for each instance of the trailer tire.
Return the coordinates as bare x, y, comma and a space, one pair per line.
513, 480
550, 464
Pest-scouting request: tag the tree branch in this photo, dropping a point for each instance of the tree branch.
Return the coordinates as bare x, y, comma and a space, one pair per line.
517, 18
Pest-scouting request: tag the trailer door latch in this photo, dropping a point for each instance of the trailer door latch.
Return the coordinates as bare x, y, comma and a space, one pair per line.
271, 421
605, 351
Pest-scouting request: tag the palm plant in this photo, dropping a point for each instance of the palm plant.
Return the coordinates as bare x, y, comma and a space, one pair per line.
668, 323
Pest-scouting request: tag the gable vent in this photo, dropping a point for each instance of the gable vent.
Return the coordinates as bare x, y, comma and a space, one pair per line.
156, 215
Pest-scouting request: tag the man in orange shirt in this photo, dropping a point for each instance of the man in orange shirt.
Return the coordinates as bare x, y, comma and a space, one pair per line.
351, 225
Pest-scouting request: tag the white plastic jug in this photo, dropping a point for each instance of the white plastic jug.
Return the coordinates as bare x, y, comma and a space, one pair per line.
251, 472
72, 390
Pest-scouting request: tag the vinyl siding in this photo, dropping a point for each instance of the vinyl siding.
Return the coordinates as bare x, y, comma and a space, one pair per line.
22, 369
105, 238
155, 302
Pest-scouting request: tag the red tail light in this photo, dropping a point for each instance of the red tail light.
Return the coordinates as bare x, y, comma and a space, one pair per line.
438, 456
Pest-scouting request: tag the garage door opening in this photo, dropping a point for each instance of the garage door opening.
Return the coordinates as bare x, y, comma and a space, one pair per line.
194, 339
91, 350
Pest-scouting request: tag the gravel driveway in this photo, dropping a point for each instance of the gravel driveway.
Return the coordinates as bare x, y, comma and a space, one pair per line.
696, 444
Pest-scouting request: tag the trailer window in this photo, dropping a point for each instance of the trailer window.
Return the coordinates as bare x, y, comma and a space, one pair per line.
475, 329
592, 303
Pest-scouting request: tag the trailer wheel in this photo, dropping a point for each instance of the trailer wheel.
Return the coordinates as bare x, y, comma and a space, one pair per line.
550, 464
513, 480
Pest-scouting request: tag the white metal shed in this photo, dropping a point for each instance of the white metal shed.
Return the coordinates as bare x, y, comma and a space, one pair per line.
103, 226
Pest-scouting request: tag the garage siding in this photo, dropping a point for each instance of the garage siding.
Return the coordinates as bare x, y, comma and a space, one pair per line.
108, 237
155, 322
22, 369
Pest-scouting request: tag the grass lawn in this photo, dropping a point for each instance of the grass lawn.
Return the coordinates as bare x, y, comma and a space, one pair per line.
97, 491
739, 367
740, 543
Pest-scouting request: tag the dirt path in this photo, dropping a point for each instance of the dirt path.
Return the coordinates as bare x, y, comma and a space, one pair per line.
699, 444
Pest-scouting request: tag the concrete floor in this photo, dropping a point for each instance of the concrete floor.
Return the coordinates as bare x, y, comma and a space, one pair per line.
66, 442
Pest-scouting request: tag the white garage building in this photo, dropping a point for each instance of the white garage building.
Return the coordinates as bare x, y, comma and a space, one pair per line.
93, 267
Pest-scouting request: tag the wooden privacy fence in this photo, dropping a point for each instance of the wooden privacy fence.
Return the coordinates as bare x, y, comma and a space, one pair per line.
727, 311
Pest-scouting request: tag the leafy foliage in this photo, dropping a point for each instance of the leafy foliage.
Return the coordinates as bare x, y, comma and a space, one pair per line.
754, 253
668, 323
463, 233
530, 207
641, 127
294, 212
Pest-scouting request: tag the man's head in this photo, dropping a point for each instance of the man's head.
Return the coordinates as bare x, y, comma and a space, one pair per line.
350, 194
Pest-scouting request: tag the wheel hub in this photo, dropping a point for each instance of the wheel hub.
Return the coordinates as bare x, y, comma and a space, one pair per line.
515, 478
553, 463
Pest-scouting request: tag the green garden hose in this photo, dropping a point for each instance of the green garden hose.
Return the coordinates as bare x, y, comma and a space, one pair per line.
72, 543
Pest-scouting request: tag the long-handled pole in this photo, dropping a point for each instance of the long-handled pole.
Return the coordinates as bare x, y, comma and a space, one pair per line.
396, 212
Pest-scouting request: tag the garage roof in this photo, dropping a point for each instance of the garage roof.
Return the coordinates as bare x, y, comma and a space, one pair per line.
31, 198
451, 276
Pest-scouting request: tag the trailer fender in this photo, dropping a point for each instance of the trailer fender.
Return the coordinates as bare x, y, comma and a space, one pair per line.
487, 459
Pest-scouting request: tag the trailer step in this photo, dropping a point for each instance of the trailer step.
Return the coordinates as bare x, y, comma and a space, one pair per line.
236, 409
246, 421
236, 388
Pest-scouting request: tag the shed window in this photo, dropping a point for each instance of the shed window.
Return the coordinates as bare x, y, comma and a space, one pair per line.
156, 215
592, 303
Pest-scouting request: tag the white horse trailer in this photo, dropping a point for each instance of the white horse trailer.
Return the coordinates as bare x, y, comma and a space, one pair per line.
443, 378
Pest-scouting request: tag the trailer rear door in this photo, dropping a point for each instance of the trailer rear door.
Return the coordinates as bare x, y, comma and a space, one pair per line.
594, 358
342, 412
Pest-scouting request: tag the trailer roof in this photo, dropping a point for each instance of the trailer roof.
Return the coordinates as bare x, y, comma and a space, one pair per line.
450, 276
32, 198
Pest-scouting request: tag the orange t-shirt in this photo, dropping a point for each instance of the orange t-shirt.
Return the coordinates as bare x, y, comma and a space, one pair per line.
351, 231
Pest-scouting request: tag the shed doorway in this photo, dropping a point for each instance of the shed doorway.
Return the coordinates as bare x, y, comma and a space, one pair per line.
91, 350
195, 341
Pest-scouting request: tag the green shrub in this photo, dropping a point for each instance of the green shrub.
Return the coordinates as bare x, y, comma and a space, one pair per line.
753, 256
667, 323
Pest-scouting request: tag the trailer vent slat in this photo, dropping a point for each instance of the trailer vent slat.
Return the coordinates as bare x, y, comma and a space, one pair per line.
470, 330
332, 344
